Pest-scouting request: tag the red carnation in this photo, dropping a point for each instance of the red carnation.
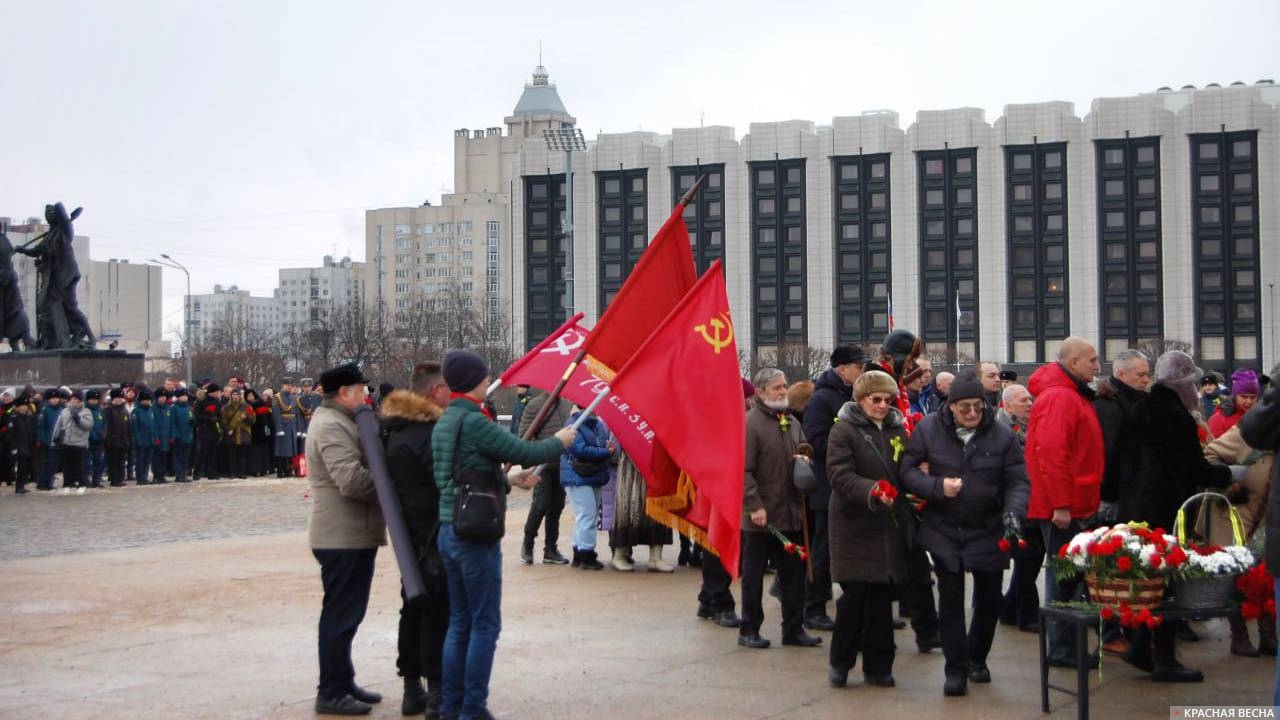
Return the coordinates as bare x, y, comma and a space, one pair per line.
1156, 560
1250, 610
1062, 551
1124, 564
1107, 613
1022, 544
789, 547
1269, 607
1175, 557
1004, 545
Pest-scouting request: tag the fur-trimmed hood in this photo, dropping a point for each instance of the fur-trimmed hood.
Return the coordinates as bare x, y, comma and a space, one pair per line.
409, 407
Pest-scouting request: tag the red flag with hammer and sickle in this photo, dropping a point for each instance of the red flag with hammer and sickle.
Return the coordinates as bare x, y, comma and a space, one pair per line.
685, 380
663, 275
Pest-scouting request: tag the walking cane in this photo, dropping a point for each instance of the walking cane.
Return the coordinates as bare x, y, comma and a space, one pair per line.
804, 525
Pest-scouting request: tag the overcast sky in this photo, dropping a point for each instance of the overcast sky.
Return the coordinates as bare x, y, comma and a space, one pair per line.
241, 137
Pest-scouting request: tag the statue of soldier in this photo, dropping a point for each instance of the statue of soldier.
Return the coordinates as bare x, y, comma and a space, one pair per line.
59, 321
13, 317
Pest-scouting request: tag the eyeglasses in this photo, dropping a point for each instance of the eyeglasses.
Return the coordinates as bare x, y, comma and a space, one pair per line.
972, 408
880, 399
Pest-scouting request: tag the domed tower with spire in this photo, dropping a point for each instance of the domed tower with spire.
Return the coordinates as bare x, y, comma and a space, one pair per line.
539, 108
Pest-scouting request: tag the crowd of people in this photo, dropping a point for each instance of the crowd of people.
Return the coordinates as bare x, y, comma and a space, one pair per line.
875, 476
99, 437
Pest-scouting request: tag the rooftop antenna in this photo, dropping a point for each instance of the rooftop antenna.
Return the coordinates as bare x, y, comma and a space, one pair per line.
702, 118
539, 52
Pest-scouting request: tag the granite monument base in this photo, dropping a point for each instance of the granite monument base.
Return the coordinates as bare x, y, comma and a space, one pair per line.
74, 368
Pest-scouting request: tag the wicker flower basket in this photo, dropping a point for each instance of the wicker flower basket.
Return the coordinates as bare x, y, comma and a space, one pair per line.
1204, 593
1135, 593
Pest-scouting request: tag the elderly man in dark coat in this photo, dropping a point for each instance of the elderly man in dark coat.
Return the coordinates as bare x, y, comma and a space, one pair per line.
770, 498
971, 472
832, 390
868, 547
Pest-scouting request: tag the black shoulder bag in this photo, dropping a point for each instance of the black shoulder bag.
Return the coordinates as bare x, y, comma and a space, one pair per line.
479, 502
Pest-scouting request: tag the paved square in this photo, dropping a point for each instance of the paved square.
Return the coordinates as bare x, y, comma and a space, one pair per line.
201, 601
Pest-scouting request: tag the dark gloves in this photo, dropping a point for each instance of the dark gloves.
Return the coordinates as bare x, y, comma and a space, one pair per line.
1012, 524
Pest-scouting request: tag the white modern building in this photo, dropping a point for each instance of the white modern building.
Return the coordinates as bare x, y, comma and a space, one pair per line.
209, 311
1151, 216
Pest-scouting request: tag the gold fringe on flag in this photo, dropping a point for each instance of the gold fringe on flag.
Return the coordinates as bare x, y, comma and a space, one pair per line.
663, 510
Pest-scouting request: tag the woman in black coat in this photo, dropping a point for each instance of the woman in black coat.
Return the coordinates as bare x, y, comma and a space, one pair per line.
1170, 468
264, 433
868, 551
970, 471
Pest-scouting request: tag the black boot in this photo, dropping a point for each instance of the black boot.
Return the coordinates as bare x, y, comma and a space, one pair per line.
1165, 665
577, 558
552, 556
526, 557
589, 561
415, 697
434, 696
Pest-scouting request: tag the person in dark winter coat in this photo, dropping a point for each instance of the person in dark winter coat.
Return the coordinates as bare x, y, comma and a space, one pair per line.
97, 458
1065, 459
118, 439
1129, 381
584, 470
832, 390
1021, 604
770, 498
1170, 469
208, 413
263, 434
408, 418
46, 420
163, 412
548, 494
976, 492
523, 395
1261, 429
20, 439
142, 431
183, 432
868, 548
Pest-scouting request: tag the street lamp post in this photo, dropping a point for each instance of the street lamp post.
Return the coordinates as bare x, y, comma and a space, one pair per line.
567, 139
186, 334
1271, 290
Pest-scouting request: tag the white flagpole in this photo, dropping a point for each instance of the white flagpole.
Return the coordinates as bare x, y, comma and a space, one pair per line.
957, 329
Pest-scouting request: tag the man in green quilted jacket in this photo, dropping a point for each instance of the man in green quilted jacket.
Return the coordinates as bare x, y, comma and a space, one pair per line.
474, 570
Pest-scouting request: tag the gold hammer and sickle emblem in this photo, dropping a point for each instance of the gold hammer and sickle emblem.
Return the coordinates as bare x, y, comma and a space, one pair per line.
718, 338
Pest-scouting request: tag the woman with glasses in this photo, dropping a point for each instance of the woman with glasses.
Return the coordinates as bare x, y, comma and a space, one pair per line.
868, 512
970, 471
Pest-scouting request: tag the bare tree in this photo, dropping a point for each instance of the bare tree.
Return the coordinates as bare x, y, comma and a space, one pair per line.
1155, 347
800, 361
234, 347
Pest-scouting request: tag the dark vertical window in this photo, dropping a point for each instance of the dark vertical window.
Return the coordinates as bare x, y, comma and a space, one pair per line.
1224, 222
705, 215
778, 251
1036, 235
862, 263
622, 225
544, 255
1129, 251
948, 233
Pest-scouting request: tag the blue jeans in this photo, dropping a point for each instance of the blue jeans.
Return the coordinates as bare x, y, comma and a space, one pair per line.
474, 572
142, 462
586, 503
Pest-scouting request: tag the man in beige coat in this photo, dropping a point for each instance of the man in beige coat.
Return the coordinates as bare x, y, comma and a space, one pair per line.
346, 530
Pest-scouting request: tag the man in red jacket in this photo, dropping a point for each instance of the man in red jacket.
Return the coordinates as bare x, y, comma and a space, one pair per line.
1065, 457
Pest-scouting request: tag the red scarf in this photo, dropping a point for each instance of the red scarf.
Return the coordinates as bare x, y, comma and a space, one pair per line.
904, 400
483, 408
